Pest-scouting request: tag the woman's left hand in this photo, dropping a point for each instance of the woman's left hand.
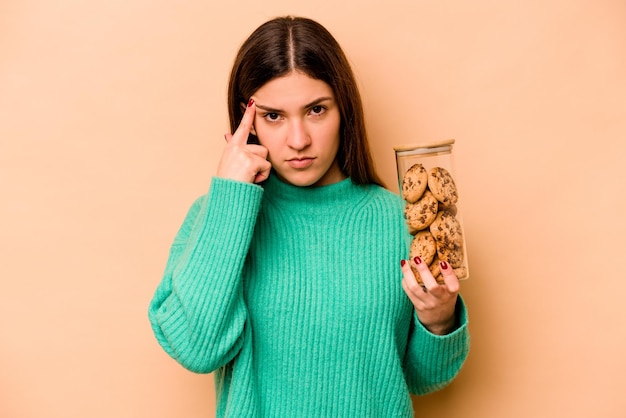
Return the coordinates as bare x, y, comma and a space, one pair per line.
434, 303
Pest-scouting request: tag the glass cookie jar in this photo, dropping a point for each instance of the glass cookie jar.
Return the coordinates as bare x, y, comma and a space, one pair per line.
432, 205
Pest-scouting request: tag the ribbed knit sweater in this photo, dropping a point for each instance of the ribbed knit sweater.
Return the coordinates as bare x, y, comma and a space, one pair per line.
293, 297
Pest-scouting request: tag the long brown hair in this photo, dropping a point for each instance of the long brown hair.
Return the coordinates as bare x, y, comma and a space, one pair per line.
285, 44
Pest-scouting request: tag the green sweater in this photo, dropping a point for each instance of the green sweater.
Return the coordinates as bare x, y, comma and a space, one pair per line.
293, 297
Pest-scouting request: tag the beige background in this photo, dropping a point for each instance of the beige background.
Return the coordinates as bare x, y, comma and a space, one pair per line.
112, 115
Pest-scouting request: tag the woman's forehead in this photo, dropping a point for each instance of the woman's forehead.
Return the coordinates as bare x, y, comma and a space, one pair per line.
295, 90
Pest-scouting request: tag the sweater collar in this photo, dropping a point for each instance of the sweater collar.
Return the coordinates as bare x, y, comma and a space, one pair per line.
330, 196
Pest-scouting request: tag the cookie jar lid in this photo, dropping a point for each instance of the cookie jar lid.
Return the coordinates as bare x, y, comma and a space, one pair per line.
424, 147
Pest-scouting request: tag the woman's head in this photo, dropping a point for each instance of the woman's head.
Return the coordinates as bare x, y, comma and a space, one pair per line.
287, 44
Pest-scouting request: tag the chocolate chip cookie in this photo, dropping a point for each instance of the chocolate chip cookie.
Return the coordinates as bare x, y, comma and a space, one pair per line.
414, 183
442, 186
448, 235
423, 246
421, 214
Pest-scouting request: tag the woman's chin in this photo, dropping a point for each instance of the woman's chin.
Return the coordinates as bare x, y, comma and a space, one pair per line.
298, 179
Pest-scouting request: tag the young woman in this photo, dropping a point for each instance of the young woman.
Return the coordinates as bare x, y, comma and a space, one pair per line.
288, 279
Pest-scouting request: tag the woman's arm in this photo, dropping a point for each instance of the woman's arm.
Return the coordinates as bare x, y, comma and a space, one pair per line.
432, 361
439, 338
198, 311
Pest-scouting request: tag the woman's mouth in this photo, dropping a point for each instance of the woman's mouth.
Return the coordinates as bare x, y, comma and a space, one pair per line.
301, 162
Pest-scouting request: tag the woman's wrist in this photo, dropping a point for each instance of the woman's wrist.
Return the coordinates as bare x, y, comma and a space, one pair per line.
443, 328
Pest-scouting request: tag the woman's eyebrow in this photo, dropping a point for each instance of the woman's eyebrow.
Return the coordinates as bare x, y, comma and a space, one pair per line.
318, 101
313, 103
267, 109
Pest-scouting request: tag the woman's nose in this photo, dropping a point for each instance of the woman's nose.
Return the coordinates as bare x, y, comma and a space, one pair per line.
298, 136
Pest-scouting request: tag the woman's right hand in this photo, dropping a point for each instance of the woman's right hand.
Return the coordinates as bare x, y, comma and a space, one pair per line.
242, 161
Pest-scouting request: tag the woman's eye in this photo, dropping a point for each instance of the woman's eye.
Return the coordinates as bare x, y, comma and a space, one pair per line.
317, 110
271, 116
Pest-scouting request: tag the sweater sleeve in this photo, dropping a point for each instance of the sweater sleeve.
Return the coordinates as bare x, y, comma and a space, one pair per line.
198, 312
433, 361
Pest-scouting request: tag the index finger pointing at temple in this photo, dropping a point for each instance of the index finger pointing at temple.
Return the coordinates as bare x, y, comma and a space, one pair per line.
245, 126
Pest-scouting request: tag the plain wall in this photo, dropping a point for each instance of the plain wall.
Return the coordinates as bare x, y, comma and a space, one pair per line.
112, 115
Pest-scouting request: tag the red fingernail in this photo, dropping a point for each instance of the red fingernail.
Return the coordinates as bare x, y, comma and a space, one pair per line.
402, 263
250, 102
444, 265
417, 260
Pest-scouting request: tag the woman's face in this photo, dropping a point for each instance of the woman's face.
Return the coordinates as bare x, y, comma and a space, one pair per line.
297, 120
